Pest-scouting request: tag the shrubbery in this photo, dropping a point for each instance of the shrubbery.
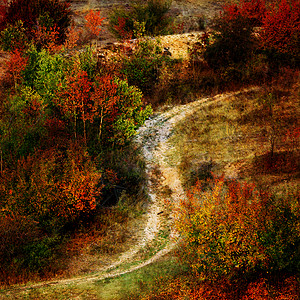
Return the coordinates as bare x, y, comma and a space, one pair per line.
53, 187
59, 116
143, 67
251, 36
232, 43
29, 17
151, 13
280, 36
14, 37
233, 229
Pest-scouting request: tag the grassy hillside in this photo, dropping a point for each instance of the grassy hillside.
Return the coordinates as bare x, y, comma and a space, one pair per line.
87, 211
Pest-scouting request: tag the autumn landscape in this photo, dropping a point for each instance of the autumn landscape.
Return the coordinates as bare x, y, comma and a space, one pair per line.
149, 149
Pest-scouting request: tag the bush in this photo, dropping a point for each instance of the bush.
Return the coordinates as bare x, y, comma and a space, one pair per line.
16, 67
24, 246
54, 188
280, 32
132, 112
14, 37
45, 73
281, 239
25, 112
152, 13
41, 255
53, 87
253, 10
142, 68
235, 38
232, 229
16, 232
232, 42
88, 62
36, 14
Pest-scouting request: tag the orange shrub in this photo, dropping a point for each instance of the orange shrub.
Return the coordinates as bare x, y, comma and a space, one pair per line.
232, 228
53, 187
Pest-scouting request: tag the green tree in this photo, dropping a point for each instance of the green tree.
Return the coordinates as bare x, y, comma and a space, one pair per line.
132, 113
14, 37
119, 109
152, 13
143, 66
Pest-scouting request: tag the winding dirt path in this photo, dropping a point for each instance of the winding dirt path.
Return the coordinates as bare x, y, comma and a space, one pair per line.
153, 138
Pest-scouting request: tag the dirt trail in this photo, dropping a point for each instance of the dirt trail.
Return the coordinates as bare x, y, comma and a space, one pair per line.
153, 139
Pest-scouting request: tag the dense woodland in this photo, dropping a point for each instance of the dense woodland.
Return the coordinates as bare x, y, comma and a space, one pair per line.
68, 116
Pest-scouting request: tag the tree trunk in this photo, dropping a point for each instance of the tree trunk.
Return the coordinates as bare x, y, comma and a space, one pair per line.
1, 162
100, 125
84, 123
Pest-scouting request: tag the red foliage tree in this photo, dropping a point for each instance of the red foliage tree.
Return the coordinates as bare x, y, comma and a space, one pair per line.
235, 34
252, 10
93, 22
52, 187
16, 65
72, 37
122, 30
47, 37
281, 28
105, 98
74, 99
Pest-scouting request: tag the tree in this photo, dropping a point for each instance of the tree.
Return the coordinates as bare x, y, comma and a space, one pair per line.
46, 72
233, 41
280, 29
253, 10
143, 66
105, 98
93, 23
118, 109
47, 37
52, 187
236, 39
48, 13
22, 125
14, 37
218, 234
152, 13
74, 99
72, 37
132, 113
16, 66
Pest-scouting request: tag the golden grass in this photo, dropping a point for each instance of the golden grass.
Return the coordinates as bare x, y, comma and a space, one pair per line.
128, 286
232, 137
